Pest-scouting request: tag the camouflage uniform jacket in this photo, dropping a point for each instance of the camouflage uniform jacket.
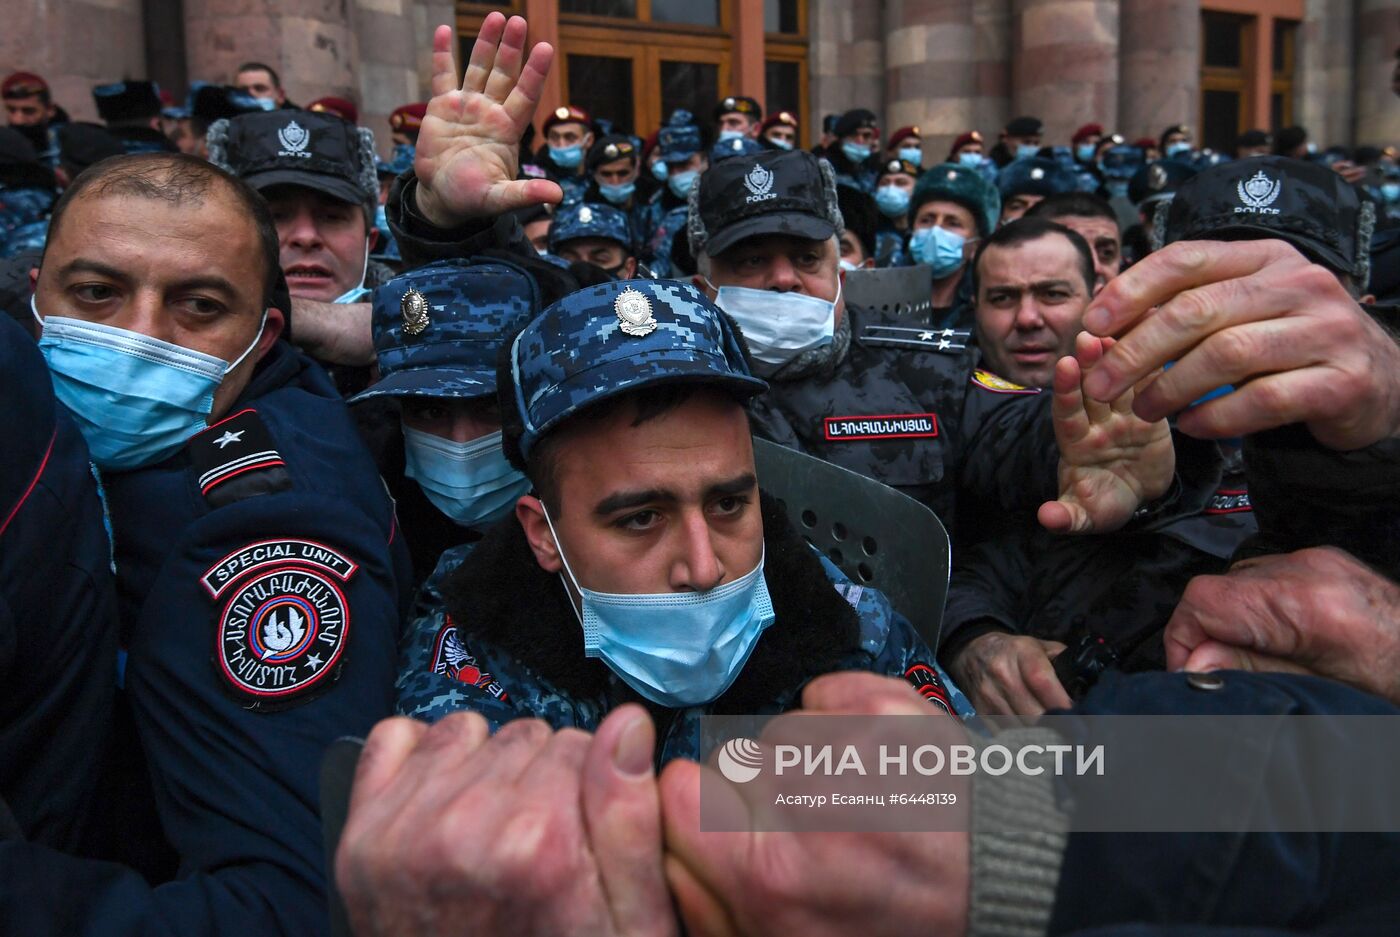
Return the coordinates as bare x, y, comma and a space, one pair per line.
495, 634
667, 215
908, 407
24, 219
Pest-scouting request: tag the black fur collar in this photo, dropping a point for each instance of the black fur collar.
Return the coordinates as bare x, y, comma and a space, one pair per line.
503, 597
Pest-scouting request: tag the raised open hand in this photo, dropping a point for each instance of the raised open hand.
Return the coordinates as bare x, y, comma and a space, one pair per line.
468, 149
1111, 460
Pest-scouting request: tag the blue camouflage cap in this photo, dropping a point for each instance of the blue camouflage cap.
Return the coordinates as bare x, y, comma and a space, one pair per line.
738, 146
589, 220
679, 140
614, 338
438, 329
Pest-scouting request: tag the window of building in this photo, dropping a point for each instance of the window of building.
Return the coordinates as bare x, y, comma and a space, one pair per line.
1247, 65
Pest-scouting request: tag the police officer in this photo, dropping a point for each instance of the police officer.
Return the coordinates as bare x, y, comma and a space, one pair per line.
568, 135
1027, 181
58, 611
952, 208
779, 131
27, 193
405, 121
683, 151
29, 109
437, 330
261, 574
903, 405
906, 143
737, 116
854, 154
131, 111
1020, 139
644, 492
1175, 143
594, 234
893, 190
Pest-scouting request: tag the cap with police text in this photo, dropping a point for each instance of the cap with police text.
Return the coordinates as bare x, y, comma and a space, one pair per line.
792, 193
738, 104
588, 220
127, 100
612, 339
1303, 203
438, 329
301, 148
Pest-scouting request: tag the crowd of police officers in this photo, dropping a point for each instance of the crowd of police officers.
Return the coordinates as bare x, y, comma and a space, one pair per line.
301, 438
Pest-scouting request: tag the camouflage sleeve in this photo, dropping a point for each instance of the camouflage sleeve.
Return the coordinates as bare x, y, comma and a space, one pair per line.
895, 647
439, 674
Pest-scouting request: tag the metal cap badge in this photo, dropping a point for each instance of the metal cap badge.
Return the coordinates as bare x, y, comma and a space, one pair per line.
634, 313
414, 309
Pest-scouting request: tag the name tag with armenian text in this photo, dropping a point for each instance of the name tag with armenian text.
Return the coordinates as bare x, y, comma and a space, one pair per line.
880, 426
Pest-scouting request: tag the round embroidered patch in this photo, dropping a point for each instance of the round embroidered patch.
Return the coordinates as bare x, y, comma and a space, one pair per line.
281, 635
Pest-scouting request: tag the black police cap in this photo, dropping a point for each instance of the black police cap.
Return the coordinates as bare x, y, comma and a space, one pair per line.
790, 193
1307, 205
613, 147
303, 148
82, 144
854, 120
739, 104
1024, 127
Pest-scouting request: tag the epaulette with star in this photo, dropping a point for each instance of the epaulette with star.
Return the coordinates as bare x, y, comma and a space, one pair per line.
235, 459
947, 341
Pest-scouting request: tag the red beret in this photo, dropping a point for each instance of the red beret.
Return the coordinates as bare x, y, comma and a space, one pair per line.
23, 85
340, 107
901, 134
786, 118
972, 136
1145, 143
408, 117
1088, 130
567, 115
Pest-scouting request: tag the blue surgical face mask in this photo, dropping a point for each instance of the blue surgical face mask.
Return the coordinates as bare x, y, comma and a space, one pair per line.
1084, 152
970, 160
1390, 191
567, 157
781, 144
267, 104
681, 182
725, 135
1026, 150
856, 152
938, 247
1173, 149
617, 194
912, 154
846, 265
892, 200
778, 326
659, 170
677, 649
136, 399
471, 482
357, 292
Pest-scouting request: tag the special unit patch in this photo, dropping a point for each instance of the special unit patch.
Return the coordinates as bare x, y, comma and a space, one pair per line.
881, 426
925, 679
999, 385
281, 635
451, 659
272, 553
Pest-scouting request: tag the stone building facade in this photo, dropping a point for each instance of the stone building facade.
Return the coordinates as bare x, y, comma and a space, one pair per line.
945, 65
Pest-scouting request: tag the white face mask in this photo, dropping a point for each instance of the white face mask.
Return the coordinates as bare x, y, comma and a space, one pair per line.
779, 326
358, 291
